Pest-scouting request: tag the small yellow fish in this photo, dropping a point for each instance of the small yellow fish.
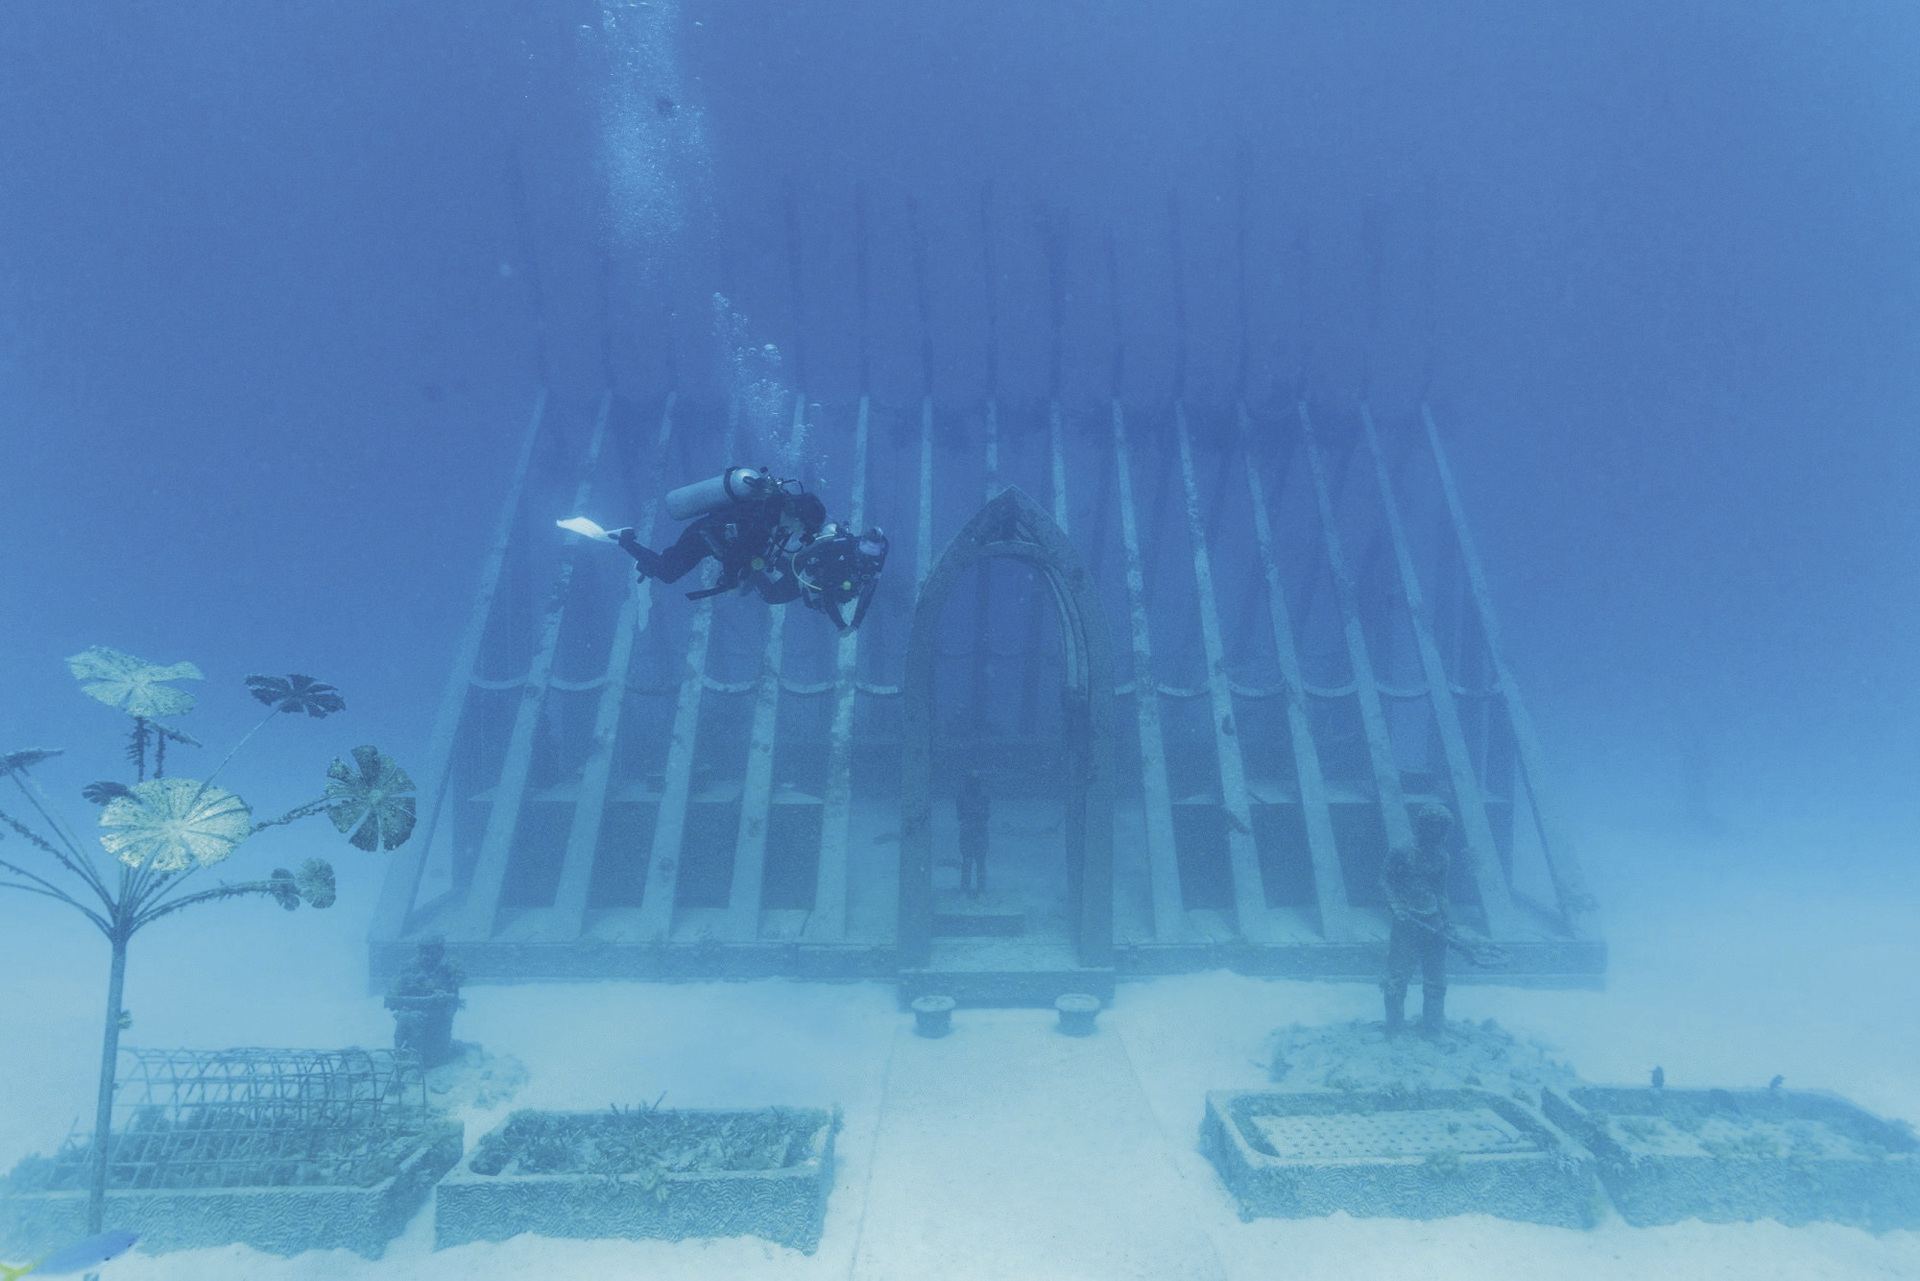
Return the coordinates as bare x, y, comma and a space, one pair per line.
78, 1257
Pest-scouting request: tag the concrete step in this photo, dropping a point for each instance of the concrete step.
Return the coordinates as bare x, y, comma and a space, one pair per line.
1019, 972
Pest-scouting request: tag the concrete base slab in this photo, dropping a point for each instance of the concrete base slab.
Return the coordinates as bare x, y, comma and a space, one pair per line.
1008, 1150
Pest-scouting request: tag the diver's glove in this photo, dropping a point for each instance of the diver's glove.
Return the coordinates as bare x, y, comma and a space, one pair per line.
646, 561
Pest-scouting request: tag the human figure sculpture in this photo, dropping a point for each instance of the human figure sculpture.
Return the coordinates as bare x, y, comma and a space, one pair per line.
423, 997
1415, 881
974, 809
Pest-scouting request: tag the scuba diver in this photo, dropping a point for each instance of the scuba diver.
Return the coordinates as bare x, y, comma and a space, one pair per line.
768, 536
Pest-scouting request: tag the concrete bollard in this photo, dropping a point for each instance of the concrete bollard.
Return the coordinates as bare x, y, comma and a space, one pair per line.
1077, 1012
933, 1015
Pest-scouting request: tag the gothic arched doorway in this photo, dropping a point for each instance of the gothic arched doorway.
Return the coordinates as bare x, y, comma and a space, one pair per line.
1015, 527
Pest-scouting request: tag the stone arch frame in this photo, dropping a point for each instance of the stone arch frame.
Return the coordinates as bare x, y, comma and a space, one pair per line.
1013, 526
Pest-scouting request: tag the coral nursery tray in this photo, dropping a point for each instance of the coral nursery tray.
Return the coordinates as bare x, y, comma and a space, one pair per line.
1734, 1155
1416, 1155
645, 1173
287, 1218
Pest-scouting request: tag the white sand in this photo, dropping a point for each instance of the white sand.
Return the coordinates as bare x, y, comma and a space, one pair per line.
1007, 1151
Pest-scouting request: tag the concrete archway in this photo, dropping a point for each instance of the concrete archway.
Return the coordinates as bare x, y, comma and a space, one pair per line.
1013, 526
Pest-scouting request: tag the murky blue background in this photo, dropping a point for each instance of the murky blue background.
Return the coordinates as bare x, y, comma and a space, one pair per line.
261, 368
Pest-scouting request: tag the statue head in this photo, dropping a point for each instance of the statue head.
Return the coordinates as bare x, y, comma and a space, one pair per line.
431, 952
1433, 823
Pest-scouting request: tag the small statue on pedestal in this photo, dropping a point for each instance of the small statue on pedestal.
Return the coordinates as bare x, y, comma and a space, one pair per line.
423, 998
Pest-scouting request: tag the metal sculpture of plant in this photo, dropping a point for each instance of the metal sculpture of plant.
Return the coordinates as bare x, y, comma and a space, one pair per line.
313, 884
163, 830
170, 824
372, 804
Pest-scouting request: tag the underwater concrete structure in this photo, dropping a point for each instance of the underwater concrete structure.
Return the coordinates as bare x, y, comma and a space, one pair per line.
1206, 654
627, 783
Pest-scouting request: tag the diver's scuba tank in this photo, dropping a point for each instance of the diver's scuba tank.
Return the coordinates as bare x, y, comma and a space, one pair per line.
734, 485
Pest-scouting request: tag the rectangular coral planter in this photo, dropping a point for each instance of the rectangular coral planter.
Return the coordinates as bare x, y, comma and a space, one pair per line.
1296, 1154
785, 1204
283, 1220
1728, 1156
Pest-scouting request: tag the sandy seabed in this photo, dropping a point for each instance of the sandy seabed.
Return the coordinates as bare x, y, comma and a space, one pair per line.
1006, 1151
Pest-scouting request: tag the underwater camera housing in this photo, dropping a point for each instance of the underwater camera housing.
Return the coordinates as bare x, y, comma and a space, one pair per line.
734, 485
840, 569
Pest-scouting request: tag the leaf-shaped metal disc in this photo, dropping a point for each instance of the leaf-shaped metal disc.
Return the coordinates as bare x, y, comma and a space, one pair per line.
172, 823
296, 693
315, 881
281, 886
371, 801
106, 790
132, 684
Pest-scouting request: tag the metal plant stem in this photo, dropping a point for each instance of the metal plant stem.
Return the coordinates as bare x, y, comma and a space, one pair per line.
109, 1065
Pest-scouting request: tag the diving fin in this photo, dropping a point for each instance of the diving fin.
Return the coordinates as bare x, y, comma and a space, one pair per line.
577, 525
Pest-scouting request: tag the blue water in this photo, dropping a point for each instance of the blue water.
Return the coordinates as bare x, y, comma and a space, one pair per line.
262, 368
279, 284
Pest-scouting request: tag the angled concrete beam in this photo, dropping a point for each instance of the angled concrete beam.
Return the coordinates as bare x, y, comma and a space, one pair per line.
1495, 896
828, 921
1329, 883
1576, 902
923, 541
756, 790
404, 869
980, 675
1169, 909
1366, 688
1057, 446
670, 822
993, 447
480, 912
1249, 892
590, 806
